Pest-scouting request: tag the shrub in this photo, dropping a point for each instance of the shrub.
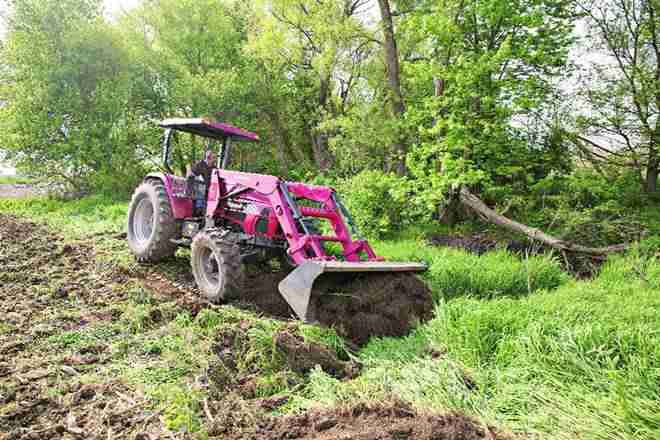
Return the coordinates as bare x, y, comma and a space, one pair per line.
377, 201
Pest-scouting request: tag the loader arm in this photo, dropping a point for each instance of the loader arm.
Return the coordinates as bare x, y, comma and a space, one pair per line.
305, 248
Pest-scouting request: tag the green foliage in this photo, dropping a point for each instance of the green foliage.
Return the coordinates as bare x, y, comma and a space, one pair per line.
61, 120
493, 61
589, 208
378, 202
180, 406
83, 337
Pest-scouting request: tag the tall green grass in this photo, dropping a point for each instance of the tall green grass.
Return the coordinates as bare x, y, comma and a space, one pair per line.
455, 272
582, 361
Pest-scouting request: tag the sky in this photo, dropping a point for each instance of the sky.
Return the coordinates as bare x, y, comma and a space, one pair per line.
112, 8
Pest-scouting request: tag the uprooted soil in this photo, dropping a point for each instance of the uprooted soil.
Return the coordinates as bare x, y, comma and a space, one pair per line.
395, 421
243, 358
50, 287
358, 306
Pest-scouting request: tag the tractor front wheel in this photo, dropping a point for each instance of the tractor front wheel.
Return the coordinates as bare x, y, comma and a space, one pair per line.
151, 223
216, 265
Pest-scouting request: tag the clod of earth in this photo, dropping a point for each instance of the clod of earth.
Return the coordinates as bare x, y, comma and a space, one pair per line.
291, 359
393, 421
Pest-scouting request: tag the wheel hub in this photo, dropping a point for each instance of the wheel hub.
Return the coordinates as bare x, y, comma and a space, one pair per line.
209, 267
144, 220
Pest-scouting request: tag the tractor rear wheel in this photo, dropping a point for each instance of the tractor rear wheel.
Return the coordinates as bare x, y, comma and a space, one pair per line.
151, 223
216, 265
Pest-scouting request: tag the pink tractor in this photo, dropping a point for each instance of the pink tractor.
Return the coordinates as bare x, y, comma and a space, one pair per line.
241, 216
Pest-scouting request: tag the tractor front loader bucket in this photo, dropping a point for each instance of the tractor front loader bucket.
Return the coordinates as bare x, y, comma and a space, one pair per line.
297, 287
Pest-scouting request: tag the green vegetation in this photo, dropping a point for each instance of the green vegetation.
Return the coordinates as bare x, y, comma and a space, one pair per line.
515, 342
15, 180
577, 362
398, 104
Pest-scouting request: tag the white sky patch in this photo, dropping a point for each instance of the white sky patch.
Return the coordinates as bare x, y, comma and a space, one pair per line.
115, 8
112, 8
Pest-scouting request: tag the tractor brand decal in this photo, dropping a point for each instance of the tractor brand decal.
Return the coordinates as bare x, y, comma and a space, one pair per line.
179, 187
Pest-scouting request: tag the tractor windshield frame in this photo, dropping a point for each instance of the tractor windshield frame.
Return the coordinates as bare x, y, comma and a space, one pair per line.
209, 129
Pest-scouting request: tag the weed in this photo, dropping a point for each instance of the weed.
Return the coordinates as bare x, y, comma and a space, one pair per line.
83, 337
180, 406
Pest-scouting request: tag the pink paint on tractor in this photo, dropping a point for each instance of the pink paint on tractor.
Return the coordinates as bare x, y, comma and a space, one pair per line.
246, 217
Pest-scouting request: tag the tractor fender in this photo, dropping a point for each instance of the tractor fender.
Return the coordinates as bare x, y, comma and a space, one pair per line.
182, 207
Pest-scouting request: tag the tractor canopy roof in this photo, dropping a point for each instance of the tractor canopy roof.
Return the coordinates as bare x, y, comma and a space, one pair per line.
209, 129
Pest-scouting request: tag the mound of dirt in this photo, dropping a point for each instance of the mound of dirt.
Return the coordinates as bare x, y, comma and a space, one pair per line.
302, 357
373, 422
358, 306
378, 304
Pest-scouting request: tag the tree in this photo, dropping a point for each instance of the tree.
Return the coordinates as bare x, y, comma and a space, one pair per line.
68, 92
493, 64
622, 85
319, 47
393, 77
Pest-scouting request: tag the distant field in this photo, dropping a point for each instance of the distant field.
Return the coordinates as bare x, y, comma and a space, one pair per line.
6, 179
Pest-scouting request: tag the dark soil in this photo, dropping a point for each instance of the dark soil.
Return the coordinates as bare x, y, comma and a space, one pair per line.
481, 243
302, 357
365, 422
49, 287
358, 306
378, 304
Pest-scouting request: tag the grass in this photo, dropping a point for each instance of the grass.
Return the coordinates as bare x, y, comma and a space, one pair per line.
455, 272
16, 180
582, 361
514, 342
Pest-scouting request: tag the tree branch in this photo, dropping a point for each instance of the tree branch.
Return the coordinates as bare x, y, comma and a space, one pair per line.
479, 207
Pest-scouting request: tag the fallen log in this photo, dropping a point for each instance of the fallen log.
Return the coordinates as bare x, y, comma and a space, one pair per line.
479, 207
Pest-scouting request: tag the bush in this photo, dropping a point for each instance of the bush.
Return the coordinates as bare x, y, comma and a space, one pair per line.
377, 201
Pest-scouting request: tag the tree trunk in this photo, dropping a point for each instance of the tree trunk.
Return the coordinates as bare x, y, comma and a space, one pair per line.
322, 156
653, 164
478, 206
320, 146
393, 80
652, 172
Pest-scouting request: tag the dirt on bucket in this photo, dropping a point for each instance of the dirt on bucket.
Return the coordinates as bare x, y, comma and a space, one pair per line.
375, 304
357, 306
396, 421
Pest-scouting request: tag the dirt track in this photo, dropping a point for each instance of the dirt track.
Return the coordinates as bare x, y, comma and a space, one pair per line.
52, 385
50, 287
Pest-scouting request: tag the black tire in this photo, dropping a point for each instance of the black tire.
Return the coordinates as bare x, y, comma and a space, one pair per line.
150, 237
216, 265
